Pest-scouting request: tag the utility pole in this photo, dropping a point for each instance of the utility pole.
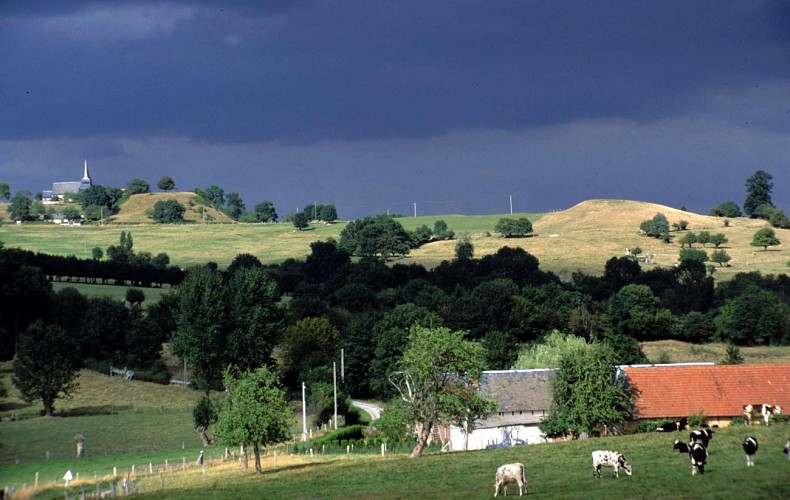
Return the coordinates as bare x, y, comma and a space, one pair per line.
304, 415
511, 204
334, 381
415, 209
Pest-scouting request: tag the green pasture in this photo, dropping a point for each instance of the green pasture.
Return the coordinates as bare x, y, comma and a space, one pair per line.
115, 292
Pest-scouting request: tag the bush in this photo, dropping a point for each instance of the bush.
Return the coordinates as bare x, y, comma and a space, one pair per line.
696, 421
156, 372
168, 212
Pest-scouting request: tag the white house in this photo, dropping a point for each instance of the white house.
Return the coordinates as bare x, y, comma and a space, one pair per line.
523, 399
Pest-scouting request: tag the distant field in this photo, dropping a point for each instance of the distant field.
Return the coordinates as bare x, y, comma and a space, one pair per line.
581, 238
682, 352
116, 292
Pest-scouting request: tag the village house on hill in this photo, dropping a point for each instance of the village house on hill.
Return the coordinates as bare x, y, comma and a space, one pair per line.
718, 392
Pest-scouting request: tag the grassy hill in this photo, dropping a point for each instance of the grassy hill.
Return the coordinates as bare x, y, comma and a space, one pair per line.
582, 237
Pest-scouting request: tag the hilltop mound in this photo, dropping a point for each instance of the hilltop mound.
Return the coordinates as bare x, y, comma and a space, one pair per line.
135, 210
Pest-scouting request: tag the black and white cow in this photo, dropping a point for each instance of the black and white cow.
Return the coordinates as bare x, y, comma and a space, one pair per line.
678, 425
607, 458
750, 447
786, 451
704, 436
699, 455
763, 410
510, 473
680, 446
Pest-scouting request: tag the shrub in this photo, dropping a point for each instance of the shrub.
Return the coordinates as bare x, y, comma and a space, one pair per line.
696, 420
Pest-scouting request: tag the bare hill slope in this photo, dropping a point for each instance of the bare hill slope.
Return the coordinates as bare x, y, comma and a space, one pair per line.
137, 208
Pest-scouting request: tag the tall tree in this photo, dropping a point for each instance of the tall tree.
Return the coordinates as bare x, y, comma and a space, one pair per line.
19, 209
46, 365
301, 220
234, 206
438, 379
755, 317
138, 186
166, 183
585, 392
758, 192
215, 195
256, 412
328, 213
265, 212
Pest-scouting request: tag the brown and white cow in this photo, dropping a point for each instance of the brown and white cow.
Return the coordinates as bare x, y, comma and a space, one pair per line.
764, 410
510, 473
613, 459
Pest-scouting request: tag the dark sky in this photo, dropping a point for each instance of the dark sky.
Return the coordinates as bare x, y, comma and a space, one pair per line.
378, 105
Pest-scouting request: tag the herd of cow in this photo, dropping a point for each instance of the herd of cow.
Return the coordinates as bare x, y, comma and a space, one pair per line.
697, 449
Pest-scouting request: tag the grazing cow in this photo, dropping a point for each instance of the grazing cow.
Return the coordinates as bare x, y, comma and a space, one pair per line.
750, 446
702, 435
763, 410
677, 425
786, 451
510, 473
680, 446
612, 459
699, 455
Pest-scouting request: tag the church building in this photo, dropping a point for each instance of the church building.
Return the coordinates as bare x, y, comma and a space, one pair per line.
61, 188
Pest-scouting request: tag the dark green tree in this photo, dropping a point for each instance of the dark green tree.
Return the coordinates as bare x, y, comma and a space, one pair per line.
695, 254
758, 192
168, 212
308, 343
688, 239
256, 413
585, 392
657, 227
464, 249
726, 209
204, 415
19, 208
720, 257
137, 186
265, 212
215, 195
166, 183
234, 206
135, 297
514, 228
718, 239
5, 191
765, 237
46, 365
755, 317
301, 220
328, 213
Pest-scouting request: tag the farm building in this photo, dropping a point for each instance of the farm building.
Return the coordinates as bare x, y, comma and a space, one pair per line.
61, 188
523, 399
716, 391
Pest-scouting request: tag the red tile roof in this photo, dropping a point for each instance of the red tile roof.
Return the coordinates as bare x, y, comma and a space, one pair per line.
716, 391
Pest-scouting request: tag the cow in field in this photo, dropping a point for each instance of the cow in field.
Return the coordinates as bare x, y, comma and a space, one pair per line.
678, 425
704, 436
750, 447
510, 473
699, 455
763, 410
786, 451
680, 446
612, 459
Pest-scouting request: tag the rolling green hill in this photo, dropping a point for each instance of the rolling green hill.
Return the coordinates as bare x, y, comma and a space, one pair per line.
582, 237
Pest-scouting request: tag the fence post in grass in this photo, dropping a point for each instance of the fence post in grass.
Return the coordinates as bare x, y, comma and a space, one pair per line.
382, 449
79, 439
150, 467
311, 454
161, 480
348, 449
275, 459
112, 488
323, 449
98, 489
114, 471
36, 479
134, 470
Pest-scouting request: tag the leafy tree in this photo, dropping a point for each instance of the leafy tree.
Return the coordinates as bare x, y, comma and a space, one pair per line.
46, 365
688, 239
680, 225
720, 257
200, 336
102, 330
95, 212
620, 271
438, 379
765, 237
19, 208
204, 415
137, 186
97, 253
695, 254
464, 249
733, 356
265, 212
102, 196
380, 235
5, 191
166, 183
328, 213
585, 392
755, 317
394, 424
718, 239
234, 206
549, 352
758, 192
301, 220
215, 195
657, 227
726, 209
703, 238
441, 231
255, 413
160, 260
135, 296
514, 228
168, 212
308, 343
777, 218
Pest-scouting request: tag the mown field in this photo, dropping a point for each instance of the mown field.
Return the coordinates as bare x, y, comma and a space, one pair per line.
581, 238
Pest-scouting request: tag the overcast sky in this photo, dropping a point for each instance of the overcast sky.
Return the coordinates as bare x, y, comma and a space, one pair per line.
378, 105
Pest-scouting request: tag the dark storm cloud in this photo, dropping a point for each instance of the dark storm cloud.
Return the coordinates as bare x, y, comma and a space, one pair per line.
304, 71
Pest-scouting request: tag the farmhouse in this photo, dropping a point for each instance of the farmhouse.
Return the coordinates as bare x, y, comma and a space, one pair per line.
61, 188
523, 399
718, 392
